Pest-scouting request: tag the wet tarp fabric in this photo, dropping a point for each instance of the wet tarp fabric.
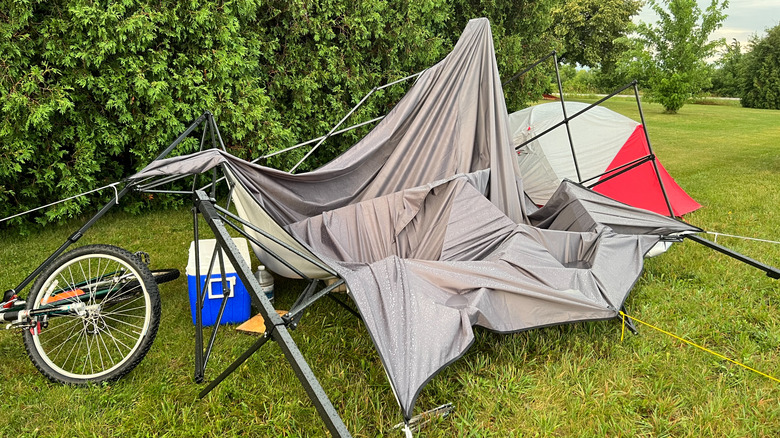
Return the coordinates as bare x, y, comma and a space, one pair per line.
426, 220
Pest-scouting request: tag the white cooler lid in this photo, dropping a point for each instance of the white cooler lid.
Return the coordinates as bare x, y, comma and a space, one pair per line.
207, 249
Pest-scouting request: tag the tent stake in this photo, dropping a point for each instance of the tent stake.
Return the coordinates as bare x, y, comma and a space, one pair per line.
628, 322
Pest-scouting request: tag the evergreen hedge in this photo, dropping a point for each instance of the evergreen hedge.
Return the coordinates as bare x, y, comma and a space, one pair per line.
91, 90
761, 80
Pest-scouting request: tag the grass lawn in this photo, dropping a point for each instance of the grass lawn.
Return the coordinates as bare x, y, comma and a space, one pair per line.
574, 380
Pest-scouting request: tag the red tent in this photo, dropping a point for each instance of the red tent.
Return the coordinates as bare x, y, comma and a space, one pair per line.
603, 141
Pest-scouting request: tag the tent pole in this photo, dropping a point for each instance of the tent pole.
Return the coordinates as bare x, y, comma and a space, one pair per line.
268, 236
650, 150
279, 333
529, 68
618, 171
222, 306
295, 313
210, 123
265, 248
314, 140
198, 303
565, 117
183, 135
344, 119
578, 113
241, 359
771, 271
345, 306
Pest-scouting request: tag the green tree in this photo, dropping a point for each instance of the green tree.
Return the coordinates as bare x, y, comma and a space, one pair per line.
92, 90
677, 46
521, 36
761, 85
577, 81
728, 75
592, 31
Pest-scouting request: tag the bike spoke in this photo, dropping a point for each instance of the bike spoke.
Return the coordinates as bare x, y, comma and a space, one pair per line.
127, 347
75, 344
132, 326
116, 341
126, 312
58, 349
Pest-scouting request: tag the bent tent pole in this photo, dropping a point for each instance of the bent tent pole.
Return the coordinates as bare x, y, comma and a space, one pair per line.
612, 173
321, 139
626, 167
210, 126
529, 68
567, 119
577, 114
277, 329
299, 145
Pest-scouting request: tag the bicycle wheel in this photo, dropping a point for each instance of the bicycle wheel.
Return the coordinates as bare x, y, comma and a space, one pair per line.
165, 275
117, 320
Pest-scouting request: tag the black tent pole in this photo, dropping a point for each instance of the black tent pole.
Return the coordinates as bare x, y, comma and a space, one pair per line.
770, 271
650, 151
618, 171
278, 331
527, 69
198, 302
578, 113
183, 135
565, 117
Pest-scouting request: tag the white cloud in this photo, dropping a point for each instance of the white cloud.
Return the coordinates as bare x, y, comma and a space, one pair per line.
745, 18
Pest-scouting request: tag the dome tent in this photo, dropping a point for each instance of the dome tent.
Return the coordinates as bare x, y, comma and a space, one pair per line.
603, 141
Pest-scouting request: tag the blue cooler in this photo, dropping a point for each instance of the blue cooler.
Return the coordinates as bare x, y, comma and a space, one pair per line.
238, 304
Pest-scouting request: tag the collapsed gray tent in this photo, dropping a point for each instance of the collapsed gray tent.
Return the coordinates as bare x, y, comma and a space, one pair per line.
426, 220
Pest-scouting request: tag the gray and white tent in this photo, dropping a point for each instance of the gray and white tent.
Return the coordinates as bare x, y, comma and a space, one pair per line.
426, 220
605, 142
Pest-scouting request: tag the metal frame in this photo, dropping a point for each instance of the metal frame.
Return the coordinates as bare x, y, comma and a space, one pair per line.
276, 327
554, 56
344, 119
219, 219
566, 119
770, 271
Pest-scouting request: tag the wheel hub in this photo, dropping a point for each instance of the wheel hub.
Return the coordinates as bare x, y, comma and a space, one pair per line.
93, 321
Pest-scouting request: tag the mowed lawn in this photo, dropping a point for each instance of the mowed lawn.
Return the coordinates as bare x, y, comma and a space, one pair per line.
574, 380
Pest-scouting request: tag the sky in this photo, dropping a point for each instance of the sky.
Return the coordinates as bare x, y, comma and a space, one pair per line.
745, 18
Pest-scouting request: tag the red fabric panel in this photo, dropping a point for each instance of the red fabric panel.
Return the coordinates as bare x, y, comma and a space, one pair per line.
639, 186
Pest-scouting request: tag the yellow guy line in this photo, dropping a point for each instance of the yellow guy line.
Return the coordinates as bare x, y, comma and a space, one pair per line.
693, 344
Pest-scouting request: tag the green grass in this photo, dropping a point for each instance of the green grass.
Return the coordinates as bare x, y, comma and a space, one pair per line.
574, 380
